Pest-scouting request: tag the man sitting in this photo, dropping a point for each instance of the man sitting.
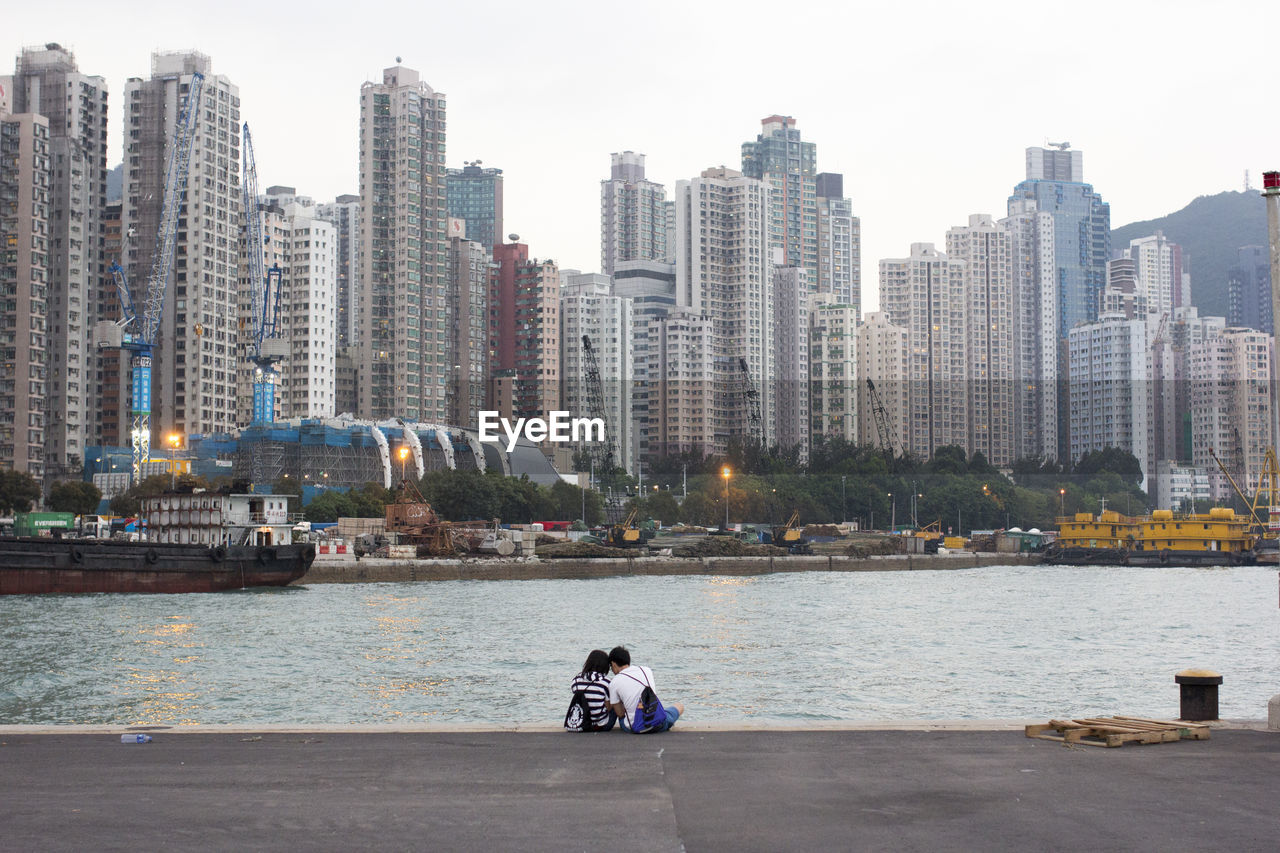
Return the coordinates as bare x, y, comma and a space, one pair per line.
625, 687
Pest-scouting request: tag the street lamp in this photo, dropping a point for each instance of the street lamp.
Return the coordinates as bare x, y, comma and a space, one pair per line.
1062, 503
404, 455
175, 441
726, 473
844, 505
893, 513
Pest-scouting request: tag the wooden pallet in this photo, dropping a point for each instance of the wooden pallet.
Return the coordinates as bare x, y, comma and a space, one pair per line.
1116, 731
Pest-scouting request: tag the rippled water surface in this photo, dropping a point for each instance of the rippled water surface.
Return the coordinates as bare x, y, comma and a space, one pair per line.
979, 643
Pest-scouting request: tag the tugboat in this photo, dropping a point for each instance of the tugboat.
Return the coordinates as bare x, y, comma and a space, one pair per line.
195, 543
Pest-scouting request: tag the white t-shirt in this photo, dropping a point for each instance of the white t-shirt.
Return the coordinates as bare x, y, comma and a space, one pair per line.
627, 685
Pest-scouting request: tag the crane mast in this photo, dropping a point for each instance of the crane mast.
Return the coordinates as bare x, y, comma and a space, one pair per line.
881, 415
601, 452
137, 333
267, 349
751, 395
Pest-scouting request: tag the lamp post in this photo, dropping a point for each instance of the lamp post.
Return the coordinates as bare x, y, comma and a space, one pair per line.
1062, 503
404, 455
843, 503
893, 513
726, 474
175, 440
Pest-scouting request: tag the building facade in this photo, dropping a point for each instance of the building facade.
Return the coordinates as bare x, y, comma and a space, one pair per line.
834, 373
48, 82
469, 317
404, 251
651, 288
788, 165
344, 214
1249, 290
26, 200
524, 332
839, 242
194, 365
633, 214
882, 359
1110, 388
590, 308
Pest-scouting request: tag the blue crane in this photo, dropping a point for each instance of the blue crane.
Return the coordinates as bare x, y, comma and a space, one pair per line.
267, 348
137, 333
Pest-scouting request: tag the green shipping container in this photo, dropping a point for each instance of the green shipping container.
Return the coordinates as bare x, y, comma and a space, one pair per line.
36, 523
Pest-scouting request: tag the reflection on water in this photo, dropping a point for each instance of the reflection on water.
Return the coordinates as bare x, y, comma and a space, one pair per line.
998, 642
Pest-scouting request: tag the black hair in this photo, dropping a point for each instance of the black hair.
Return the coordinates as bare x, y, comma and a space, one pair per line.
620, 656
597, 661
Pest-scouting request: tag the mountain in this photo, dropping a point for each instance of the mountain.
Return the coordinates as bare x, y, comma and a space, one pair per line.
1211, 229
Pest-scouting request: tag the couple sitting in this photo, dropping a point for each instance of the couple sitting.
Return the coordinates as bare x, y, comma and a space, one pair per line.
600, 700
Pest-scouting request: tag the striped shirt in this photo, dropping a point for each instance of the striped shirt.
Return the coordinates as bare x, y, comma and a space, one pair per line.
595, 686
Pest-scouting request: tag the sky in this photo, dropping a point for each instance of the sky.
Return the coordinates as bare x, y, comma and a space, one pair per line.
925, 107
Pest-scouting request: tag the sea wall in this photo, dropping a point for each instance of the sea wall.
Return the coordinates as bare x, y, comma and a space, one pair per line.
371, 570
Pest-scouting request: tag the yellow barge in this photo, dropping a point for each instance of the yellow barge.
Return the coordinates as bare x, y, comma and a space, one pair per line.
1219, 537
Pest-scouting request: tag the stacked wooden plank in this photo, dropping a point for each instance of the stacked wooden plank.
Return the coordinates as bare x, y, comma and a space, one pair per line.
1116, 731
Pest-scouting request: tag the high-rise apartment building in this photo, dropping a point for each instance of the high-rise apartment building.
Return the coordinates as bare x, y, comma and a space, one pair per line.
306, 249
524, 331
1162, 276
111, 365
590, 308
1230, 378
925, 294
26, 203
468, 301
1249, 290
475, 196
651, 287
833, 369
344, 213
404, 331
790, 345
1124, 293
633, 214
47, 81
723, 270
682, 396
882, 359
985, 250
194, 364
1110, 388
1036, 351
839, 242
788, 164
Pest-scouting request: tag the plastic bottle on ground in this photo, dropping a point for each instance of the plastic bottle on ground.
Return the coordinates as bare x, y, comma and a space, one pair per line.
135, 738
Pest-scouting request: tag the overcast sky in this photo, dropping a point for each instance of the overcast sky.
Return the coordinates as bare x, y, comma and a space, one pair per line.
925, 107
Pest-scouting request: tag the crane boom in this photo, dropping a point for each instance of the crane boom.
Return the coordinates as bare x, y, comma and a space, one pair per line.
141, 341
602, 452
881, 415
751, 395
264, 300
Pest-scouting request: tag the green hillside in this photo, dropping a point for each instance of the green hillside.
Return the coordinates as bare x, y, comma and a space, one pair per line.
1211, 229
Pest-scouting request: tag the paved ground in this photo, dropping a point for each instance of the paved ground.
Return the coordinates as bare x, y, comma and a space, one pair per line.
688, 790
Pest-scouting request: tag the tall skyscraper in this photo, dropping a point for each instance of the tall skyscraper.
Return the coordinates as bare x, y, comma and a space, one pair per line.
833, 370
1161, 273
1081, 225
48, 82
985, 249
1230, 377
788, 164
790, 346
404, 250
475, 196
26, 178
925, 294
723, 270
651, 287
1249, 290
839, 243
194, 365
344, 213
633, 214
1109, 380
882, 358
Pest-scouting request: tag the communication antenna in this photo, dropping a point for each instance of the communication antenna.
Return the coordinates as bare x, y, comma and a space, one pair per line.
1061, 146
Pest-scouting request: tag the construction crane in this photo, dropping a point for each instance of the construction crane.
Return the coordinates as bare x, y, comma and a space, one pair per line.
602, 451
881, 415
267, 348
751, 394
137, 333
1267, 498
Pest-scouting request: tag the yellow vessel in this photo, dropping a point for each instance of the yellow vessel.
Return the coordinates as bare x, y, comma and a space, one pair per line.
1218, 537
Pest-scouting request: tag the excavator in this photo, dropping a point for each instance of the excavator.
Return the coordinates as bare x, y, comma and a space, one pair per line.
627, 534
932, 536
791, 537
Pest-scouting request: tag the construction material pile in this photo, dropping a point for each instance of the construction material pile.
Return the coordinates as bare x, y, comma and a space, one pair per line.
832, 530
874, 546
723, 546
580, 550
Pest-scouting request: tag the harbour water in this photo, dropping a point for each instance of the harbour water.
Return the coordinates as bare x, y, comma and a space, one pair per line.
1001, 642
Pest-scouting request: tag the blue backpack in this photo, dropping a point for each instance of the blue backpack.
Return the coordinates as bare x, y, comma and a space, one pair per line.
649, 713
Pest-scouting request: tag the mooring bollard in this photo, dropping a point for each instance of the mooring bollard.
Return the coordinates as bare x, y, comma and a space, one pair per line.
1199, 694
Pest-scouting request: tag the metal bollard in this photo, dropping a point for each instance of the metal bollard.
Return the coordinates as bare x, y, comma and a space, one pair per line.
1199, 694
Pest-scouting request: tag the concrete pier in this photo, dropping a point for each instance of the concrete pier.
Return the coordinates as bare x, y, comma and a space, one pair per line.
686, 790
374, 570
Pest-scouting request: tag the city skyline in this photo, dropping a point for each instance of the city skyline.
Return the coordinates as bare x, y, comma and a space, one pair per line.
551, 124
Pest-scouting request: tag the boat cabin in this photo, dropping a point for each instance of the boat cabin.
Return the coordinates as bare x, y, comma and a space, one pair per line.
212, 519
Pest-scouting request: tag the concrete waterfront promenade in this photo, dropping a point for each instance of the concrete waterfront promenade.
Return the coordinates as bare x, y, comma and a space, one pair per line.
936, 787
374, 570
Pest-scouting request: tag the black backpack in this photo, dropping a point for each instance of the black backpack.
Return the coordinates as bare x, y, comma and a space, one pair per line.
578, 717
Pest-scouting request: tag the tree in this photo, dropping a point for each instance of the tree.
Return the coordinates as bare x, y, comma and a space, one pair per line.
18, 492
75, 496
662, 506
329, 507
